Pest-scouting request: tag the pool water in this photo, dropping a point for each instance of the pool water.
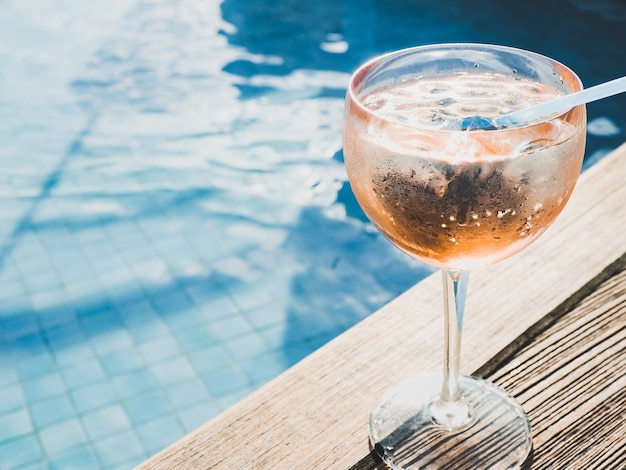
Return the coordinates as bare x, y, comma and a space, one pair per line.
177, 228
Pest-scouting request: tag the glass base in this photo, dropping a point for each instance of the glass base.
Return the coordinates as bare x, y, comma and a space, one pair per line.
406, 434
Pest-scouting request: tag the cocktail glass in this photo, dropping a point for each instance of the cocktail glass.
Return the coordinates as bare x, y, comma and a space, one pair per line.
458, 196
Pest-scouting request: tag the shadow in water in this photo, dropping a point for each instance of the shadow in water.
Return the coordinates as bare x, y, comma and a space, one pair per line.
339, 35
25, 222
347, 273
351, 273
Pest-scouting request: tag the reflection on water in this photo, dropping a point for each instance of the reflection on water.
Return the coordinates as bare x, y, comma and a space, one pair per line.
177, 225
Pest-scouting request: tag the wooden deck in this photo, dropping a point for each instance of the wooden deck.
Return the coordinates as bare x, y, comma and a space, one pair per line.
549, 325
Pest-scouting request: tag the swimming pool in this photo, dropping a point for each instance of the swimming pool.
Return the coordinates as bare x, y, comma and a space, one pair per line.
176, 224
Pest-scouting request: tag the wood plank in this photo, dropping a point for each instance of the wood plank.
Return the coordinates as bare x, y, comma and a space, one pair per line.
315, 414
568, 372
571, 381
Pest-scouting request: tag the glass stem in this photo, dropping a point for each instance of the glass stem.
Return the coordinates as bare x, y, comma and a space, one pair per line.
454, 292
450, 410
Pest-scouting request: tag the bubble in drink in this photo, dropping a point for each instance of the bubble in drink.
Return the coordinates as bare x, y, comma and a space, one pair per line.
461, 198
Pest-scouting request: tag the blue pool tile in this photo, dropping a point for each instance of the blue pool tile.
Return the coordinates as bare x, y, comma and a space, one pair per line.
158, 434
63, 436
10, 276
146, 407
315, 324
172, 248
83, 288
8, 376
30, 247
172, 370
20, 325
88, 235
76, 459
27, 346
83, 373
197, 415
17, 453
15, 423
151, 272
28, 266
218, 308
14, 288
94, 396
133, 383
320, 340
106, 342
226, 381
121, 361
274, 336
53, 296
230, 327
296, 351
57, 315
187, 393
229, 399
42, 280
139, 255
120, 291
72, 271
262, 368
16, 305
196, 338
55, 238
125, 233
35, 466
162, 348
203, 290
52, 411
249, 297
148, 331
122, 450
182, 320
36, 366
171, 302
134, 307
101, 320
120, 276
105, 421
247, 346
65, 334
99, 250
73, 354
267, 316
44, 386
209, 359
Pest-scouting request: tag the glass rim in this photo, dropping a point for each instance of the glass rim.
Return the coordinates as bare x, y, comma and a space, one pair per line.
359, 75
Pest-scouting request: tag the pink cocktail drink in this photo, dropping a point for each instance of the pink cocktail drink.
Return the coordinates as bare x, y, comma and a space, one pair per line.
456, 193
461, 199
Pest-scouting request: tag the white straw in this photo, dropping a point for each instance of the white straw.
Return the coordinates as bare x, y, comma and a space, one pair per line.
563, 103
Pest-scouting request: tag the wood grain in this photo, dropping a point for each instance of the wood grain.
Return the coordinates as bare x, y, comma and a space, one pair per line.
568, 371
314, 416
571, 380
